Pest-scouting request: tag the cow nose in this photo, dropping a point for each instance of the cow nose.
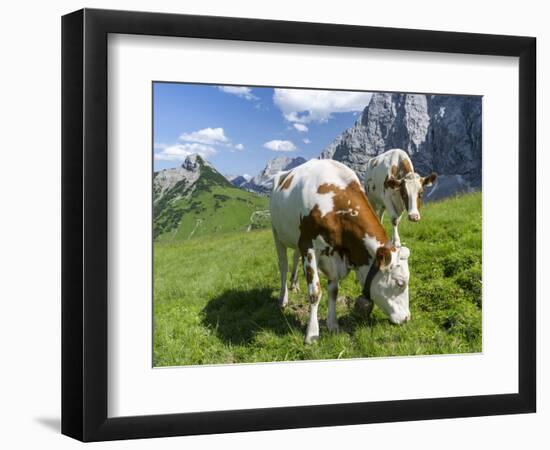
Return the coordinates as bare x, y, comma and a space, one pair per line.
408, 318
414, 217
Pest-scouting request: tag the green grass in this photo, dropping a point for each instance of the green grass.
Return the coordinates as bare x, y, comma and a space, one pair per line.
218, 210
215, 297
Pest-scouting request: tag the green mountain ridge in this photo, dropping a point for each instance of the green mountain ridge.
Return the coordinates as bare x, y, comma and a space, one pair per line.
202, 202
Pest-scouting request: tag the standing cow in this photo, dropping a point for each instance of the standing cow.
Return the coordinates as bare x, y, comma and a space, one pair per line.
321, 209
392, 185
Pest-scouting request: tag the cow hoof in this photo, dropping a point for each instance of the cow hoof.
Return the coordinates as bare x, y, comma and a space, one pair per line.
311, 339
295, 288
334, 328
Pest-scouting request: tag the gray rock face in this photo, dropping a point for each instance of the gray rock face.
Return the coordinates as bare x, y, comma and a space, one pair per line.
446, 186
441, 133
263, 182
188, 172
181, 180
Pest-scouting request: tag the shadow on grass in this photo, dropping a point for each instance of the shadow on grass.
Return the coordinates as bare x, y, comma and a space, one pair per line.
351, 321
237, 315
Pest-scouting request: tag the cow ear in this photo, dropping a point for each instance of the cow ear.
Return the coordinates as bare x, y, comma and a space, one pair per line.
383, 257
427, 181
392, 183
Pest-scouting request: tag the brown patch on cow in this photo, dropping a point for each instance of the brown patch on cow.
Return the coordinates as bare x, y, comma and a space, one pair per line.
309, 274
383, 256
406, 166
343, 232
390, 182
394, 170
316, 296
326, 188
288, 181
284, 181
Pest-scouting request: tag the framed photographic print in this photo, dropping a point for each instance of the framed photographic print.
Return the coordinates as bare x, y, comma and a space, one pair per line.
273, 224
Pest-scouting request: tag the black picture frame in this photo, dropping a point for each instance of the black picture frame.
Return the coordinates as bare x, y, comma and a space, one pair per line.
84, 224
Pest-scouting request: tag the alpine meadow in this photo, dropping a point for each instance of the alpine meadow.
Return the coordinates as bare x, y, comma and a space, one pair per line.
216, 278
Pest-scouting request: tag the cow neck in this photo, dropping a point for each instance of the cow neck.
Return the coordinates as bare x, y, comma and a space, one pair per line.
374, 269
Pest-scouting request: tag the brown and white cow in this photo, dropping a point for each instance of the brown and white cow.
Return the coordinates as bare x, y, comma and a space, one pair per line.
392, 185
321, 209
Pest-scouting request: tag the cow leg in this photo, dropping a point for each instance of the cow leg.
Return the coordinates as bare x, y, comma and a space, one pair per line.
283, 269
395, 218
314, 293
395, 233
380, 213
294, 286
332, 320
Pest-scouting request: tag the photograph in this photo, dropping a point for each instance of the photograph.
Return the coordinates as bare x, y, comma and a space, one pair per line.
296, 224
266, 225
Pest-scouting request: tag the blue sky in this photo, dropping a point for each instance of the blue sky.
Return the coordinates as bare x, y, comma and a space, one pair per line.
238, 128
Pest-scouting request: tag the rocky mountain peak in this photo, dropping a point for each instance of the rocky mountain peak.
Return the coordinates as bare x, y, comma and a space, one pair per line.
441, 133
183, 177
238, 180
194, 162
281, 163
263, 182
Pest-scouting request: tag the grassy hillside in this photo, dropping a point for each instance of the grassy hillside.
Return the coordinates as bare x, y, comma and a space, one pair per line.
215, 206
215, 297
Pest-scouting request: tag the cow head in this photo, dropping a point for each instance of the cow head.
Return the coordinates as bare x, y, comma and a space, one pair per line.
389, 288
411, 189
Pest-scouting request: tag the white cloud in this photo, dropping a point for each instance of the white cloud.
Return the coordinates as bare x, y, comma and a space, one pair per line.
160, 146
280, 146
306, 106
179, 152
306, 141
205, 142
206, 136
301, 127
239, 91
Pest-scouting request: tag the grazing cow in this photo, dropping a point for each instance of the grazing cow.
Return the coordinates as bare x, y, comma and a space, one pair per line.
392, 185
321, 209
